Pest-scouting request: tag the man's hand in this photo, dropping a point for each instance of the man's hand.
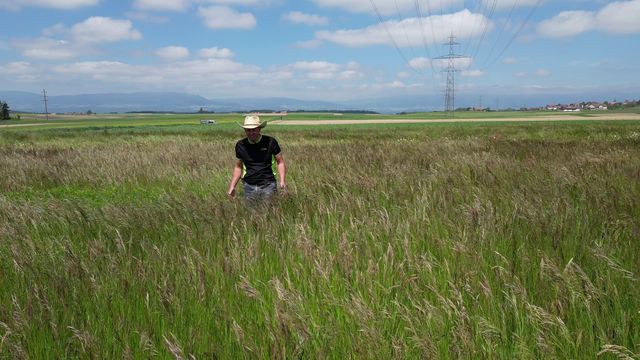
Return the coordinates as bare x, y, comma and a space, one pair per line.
232, 192
283, 185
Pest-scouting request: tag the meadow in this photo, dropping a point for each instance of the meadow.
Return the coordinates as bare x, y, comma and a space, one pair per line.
37, 121
466, 240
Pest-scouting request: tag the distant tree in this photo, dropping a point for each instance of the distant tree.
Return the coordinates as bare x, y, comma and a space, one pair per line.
4, 111
18, 117
487, 109
201, 111
89, 112
468, 108
606, 102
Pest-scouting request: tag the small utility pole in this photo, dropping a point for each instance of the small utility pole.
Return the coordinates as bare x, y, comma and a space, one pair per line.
480, 101
46, 111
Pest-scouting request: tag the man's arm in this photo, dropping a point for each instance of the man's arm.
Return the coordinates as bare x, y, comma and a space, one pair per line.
237, 173
282, 170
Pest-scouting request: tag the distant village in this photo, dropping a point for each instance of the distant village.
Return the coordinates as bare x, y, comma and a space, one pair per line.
591, 105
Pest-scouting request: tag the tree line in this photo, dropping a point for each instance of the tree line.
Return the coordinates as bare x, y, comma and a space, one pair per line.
4, 111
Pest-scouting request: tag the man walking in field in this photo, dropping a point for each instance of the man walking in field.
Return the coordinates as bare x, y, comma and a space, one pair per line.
258, 156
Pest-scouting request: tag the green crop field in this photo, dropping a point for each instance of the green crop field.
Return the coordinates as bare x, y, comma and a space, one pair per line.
33, 122
465, 240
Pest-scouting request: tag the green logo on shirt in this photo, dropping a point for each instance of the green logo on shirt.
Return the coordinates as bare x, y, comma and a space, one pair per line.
263, 149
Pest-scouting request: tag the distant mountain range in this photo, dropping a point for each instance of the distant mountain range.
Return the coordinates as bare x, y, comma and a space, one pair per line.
182, 102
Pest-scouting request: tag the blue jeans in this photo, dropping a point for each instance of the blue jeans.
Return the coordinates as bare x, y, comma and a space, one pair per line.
259, 194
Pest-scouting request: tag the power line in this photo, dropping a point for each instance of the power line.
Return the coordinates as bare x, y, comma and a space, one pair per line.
501, 31
475, 20
426, 46
476, 44
431, 24
464, 7
442, 18
405, 30
46, 111
535, 7
391, 37
486, 28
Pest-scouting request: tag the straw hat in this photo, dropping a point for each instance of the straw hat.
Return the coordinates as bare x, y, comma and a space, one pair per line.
252, 122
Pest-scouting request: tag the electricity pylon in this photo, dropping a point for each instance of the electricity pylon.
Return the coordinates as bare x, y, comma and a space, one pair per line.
450, 97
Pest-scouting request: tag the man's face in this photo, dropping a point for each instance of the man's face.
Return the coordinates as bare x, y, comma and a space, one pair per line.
253, 134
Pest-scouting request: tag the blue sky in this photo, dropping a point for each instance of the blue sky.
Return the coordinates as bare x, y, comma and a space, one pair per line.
321, 49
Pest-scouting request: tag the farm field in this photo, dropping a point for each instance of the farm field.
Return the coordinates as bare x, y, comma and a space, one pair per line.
37, 121
442, 240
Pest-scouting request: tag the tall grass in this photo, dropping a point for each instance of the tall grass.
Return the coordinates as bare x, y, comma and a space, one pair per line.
482, 241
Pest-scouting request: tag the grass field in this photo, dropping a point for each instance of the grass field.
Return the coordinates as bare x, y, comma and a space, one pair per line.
33, 122
470, 240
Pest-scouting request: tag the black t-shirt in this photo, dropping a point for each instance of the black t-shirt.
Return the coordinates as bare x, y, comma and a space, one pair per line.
258, 159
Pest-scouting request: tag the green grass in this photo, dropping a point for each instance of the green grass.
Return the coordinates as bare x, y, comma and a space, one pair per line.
107, 120
475, 240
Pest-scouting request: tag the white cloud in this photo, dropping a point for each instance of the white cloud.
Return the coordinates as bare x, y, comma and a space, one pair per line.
408, 31
99, 29
620, 18
216, 53
146, 17
352, 65
173, 53
403, 75
59, 4
421, 63
351, 75
616, 18
320, 75
100, 67
224, 17
20, 67
182, 5
49, 49
81, 36
510, 61
311, 44
96, 29
279, 75
298, 17
567, 24
542, 73
55, 29
472, 73
171, 5
395, 84
315, 66
539, 73
188, 72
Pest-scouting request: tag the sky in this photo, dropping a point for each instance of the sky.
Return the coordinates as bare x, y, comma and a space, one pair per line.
323, 49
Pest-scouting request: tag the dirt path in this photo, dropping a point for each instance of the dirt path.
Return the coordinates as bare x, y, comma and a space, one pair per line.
401, 121
17, 125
